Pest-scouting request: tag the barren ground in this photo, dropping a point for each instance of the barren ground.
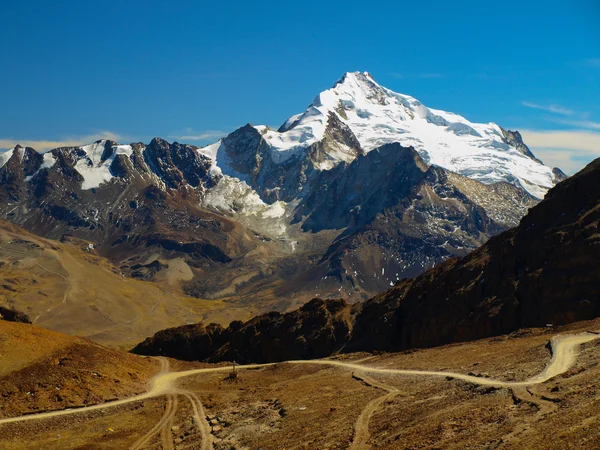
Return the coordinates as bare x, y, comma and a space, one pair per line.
311, 406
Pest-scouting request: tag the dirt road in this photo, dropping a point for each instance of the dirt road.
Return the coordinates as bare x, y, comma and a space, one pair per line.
564, 355
361, 427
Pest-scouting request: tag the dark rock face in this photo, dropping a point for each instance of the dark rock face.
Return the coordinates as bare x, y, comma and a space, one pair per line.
177, 164
189, 342
337, 135
12, 315
546, 270
147, 271
514, 139
559, 175
245, 148
353, 196
250, 155
23, 163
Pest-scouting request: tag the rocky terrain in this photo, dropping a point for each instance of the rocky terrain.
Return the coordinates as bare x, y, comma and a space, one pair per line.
544, 271
352, 401
364, 188
43, 370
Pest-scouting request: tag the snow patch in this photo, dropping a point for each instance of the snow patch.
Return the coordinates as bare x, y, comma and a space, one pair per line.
275, 210
5, 156
95, 171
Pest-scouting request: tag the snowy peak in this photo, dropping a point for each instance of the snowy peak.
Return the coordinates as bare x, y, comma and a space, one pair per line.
374, 116
166, 165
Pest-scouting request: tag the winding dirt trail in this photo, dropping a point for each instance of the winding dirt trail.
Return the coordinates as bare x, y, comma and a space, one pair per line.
361, 427
564, 356
165, 424
65, 294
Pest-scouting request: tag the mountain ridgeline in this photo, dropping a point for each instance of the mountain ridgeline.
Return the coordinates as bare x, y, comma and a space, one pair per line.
544, 271
364, 188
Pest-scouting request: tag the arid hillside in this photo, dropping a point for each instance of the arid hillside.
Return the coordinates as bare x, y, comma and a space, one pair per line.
535, 389
44, 370
66, 286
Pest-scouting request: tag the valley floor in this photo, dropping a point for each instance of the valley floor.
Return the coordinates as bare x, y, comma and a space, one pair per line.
496, 395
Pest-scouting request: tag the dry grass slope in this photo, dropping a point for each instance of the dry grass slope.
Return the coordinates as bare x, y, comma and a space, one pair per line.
66, 287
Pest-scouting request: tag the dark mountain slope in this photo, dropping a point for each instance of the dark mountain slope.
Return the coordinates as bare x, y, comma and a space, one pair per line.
546, 270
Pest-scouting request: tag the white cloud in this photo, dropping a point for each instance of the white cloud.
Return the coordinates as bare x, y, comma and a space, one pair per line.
568, 150
587, 124
556, 109
199, 135
43, 145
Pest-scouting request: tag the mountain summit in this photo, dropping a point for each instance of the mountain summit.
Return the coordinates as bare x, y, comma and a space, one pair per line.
366, 116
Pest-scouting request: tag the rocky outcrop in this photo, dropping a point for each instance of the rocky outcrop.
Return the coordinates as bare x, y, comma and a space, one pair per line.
12, 315
316, 330
248, 154
514, 139
352, 196
559, 175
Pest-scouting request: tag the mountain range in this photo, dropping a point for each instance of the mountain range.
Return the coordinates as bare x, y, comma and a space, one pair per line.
542, 273
364, 188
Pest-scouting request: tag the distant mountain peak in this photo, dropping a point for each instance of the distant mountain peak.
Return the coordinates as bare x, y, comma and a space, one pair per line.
375, 116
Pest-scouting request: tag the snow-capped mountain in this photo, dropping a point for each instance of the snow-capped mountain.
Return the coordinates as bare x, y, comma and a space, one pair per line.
370, 116
362, 189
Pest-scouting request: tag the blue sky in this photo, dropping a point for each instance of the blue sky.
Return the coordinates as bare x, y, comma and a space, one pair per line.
77, 71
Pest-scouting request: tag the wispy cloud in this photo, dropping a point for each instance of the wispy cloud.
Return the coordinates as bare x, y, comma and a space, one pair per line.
568, 150
190, 135
586, 124
556, 109
576, 119
72, 141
